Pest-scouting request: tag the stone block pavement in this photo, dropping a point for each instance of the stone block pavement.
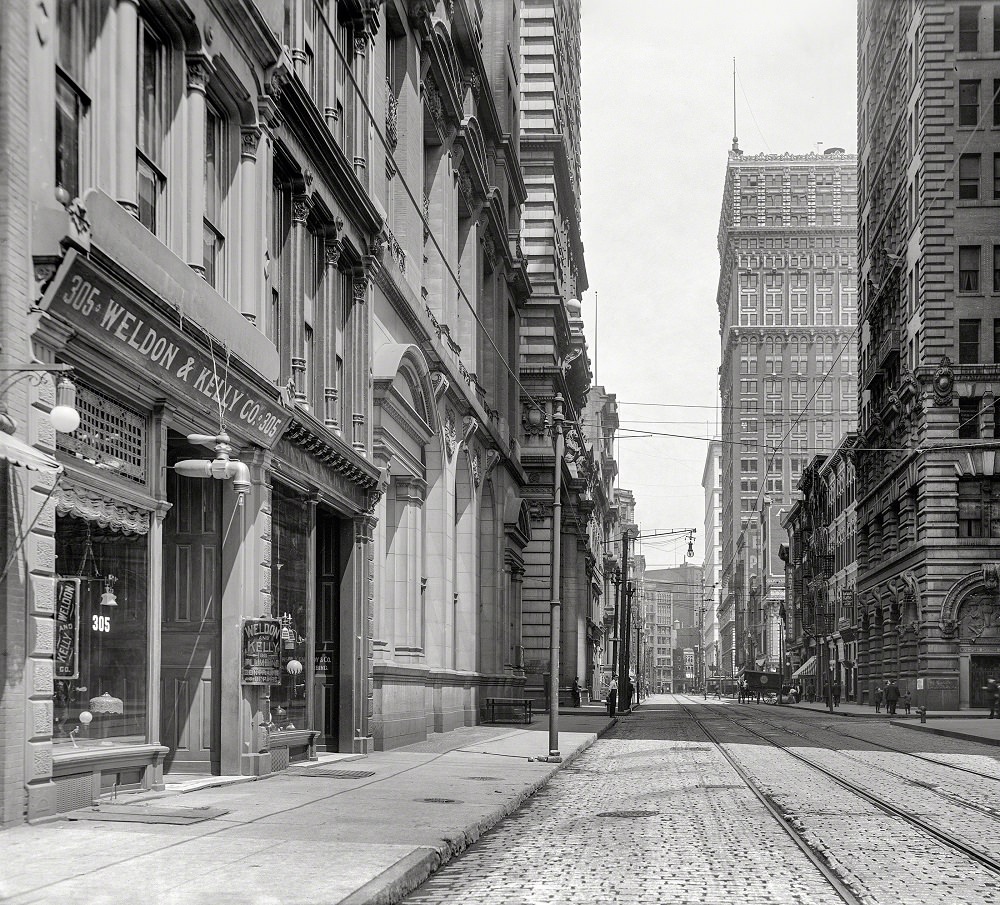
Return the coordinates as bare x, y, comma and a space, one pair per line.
300, 837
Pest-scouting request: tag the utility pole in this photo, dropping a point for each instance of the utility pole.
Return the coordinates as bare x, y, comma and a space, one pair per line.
623, 633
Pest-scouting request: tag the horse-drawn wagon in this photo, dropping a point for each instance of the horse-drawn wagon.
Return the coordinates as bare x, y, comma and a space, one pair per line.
765, 687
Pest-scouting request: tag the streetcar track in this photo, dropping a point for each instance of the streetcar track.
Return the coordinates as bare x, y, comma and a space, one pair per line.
927, 787
971, 852
842, 888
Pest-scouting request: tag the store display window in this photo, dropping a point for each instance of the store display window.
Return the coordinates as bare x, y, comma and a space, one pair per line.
291, 535
101, 636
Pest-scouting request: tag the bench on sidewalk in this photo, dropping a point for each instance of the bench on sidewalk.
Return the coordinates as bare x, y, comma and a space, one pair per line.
508, 710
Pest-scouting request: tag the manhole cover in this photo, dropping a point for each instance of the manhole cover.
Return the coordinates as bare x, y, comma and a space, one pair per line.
327, 773
484, 778
440, 800
628, 813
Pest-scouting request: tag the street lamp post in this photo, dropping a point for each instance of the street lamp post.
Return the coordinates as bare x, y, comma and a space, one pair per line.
556, 604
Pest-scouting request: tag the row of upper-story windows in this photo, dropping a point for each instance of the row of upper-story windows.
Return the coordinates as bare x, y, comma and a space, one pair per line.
168, 87
971, 184
801, 243
971, 33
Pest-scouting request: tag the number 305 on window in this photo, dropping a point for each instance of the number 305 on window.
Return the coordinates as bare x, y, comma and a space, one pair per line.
100, 624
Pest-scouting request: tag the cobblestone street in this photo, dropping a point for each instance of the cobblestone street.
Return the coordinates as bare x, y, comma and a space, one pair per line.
654, 812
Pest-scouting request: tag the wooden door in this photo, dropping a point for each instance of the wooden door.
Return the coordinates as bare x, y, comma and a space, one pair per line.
326, 686
190, 685
981, 669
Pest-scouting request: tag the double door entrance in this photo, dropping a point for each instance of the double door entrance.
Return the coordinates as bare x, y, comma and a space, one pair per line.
982, 668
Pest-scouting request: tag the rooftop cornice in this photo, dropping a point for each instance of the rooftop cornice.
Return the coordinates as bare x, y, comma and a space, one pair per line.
736, 158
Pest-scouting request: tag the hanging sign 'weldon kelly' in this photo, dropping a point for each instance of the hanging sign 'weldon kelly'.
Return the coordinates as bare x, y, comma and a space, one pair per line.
96, 306
261, 652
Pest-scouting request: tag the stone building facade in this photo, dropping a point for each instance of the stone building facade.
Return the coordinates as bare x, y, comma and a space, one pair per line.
929, 251
787, 303
717, 625
820, 559
453, 525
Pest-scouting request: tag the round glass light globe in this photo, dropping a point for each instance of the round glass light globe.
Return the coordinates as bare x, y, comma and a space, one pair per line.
64, 418
86, 716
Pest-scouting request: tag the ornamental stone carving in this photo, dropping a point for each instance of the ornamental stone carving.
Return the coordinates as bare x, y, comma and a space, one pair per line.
944, 382
439, 383
450, 433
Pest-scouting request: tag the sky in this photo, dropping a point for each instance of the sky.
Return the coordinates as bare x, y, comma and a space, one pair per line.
657, 123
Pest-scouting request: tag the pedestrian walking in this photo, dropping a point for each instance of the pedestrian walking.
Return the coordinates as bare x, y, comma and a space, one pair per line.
992, 689
629, 692
612, 697
877, 697
836, 694
577, 693
891, 697
906, 700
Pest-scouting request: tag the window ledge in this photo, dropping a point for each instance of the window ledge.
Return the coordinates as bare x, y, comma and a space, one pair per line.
76, 760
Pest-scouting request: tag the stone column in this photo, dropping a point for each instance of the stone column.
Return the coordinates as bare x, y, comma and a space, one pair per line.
126, 111
360, 661
251, 214
198, 73
301, 206
246, 572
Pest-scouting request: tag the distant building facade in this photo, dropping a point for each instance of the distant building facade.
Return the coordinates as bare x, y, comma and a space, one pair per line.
675, 594
930, 347
787, 302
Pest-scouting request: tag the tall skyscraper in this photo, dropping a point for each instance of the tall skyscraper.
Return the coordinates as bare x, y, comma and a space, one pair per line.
787, 303
929, 248
554, 368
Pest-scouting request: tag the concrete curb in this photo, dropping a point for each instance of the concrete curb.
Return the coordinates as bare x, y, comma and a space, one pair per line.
950, 733
394, 884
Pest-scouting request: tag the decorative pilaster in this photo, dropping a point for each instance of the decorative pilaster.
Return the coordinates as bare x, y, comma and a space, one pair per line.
357, 344
331, 315
251, 236
199, 70
126, 106
301, 206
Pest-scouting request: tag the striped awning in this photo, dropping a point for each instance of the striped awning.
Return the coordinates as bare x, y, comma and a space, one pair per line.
806, 669
19, 453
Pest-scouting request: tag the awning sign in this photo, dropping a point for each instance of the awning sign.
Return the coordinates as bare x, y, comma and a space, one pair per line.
98, 307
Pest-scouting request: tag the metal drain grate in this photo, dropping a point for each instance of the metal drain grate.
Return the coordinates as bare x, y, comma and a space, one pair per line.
628, 814
440, 800
484, 778
327, 773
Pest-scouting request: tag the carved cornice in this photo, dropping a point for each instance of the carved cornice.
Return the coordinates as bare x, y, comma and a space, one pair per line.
327, 451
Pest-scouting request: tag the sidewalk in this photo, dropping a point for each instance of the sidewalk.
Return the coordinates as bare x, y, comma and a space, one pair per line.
866, 710
298, 837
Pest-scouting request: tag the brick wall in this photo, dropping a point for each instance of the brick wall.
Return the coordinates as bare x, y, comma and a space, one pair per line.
14, 287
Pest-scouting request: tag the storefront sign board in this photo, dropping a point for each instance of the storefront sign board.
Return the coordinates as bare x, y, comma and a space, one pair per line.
98, 307
261, 652
67, 640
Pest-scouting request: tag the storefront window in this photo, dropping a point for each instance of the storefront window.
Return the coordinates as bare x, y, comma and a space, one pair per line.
101, 643
291, 521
